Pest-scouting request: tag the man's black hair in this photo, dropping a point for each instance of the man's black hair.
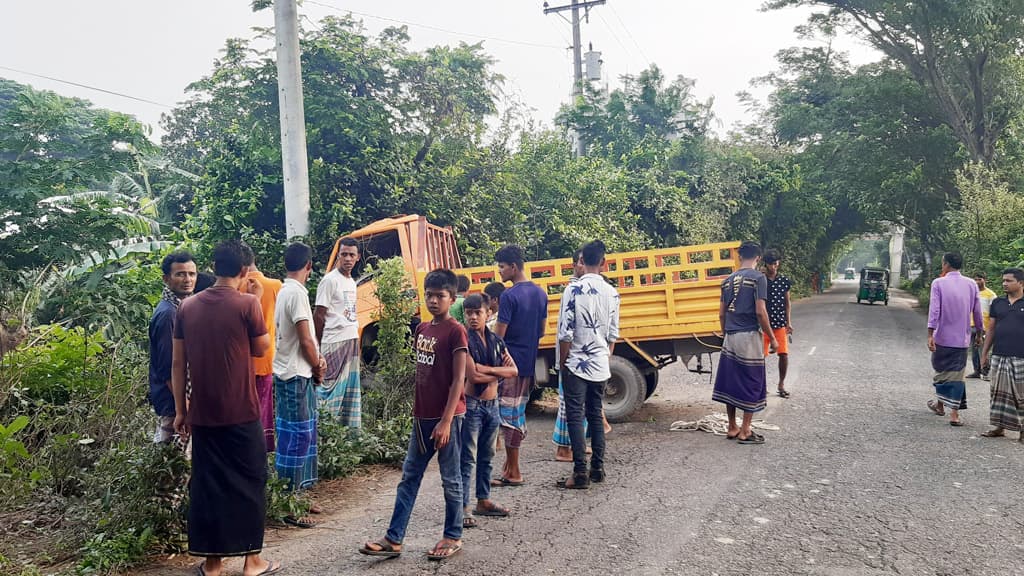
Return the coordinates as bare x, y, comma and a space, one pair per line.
1017, 273
494, 290
229, 258
296, 256
203, 281
980, 274
473, 302
510, 254
954, 259
248, 256
348, 242
463, 284
593, 253
749, 250
176, 257
577, 255
441, 279
771, 256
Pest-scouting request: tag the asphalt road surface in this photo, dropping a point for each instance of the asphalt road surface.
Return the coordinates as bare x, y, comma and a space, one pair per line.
861, 479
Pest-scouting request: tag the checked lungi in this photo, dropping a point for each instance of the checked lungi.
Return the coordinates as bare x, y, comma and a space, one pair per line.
340, 393
513, 396
949, 365
296, 424
1007, 395
741, 380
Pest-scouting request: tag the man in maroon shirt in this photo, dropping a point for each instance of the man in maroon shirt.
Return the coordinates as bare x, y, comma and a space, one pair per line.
216, 334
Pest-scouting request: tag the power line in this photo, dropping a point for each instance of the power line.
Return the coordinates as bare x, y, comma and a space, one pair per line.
87, 87
647, 61
436, 28
629, 53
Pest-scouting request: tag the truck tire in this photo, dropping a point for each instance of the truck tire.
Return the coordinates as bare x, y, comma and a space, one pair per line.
651, 379
626, 390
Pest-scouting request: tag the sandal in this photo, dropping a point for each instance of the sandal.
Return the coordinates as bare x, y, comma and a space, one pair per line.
754, 438
505, 482
387, 549
271, 569
493, 511
956, 423
468, 521
579, 482
936, 408
994, 433
783, 393
444, 551
303, 522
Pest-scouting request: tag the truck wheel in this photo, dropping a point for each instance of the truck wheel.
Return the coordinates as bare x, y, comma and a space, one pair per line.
651, 379
626, 390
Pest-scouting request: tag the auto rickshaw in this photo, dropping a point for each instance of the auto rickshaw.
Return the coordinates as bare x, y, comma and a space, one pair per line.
874, 285
851, 274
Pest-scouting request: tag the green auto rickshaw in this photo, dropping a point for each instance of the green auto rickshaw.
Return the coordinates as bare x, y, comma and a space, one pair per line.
874, 285
851, 274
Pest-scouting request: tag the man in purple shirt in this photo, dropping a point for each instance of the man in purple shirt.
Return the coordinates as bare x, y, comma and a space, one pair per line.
954, 301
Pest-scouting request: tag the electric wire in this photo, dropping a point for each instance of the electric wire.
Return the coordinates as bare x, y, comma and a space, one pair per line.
87, 87
647, 61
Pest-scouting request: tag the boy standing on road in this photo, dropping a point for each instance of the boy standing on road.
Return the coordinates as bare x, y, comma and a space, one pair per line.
337, 331
522, 314
953, 306
986, 296
779, 316
1005, 343
588, 327
741, 380
438, 409
488, 363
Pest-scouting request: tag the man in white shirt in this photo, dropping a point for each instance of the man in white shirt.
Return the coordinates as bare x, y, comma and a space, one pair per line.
337, 330
298, 366
588, 327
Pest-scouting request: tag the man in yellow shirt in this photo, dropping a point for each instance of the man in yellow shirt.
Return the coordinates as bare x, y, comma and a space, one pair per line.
986, 296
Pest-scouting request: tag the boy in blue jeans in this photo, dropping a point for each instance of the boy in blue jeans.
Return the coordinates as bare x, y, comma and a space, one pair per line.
488, 362
438, 409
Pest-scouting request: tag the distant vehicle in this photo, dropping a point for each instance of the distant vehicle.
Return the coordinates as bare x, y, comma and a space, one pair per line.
851, 274
874, 285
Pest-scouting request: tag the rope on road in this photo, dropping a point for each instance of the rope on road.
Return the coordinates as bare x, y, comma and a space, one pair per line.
716, 423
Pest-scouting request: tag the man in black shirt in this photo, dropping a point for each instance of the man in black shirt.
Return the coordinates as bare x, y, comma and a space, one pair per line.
1005, 342
778, 314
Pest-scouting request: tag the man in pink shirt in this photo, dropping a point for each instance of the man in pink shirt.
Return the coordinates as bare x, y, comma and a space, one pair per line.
954, 302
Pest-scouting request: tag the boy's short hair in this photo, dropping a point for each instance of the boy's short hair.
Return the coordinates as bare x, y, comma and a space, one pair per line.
954, 259
749, 250
203, 281
771, 256
348, 242
593, 253
463, 284
494, 290
441, 279
248, 256
229, 258
176, 257
510, 254
473, 302
296, 256
980, 274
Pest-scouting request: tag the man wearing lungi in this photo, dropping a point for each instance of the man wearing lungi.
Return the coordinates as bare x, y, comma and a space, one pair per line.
741, 381
337, 330
954, 303
216, 335
1004, 354
522, 313
264, 365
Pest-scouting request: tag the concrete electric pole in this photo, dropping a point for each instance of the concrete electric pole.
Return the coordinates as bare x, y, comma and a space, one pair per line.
293, 119
577, 49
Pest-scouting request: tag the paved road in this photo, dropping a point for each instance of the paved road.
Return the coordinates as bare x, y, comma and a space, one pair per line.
860, 480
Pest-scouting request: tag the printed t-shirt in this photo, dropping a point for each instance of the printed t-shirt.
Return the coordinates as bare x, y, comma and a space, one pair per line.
524, 309
216, 326
776, 302
740, 292
985, 297
161, 326
292, 308
435, 346
337, 294
1009, 332
589, 319
264, 365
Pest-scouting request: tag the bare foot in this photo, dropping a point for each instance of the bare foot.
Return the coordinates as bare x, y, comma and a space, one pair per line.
563, 454
607, 426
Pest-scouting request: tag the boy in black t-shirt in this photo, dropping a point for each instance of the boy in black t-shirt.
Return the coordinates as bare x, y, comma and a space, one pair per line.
438, 411
779, 317
1004, 350
489, 362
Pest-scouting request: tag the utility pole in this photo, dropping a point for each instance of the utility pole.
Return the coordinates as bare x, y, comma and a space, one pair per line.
293, 119
577, 49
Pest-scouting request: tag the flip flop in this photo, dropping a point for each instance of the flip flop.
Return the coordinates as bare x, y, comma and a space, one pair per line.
494, 511
452, 548
936, 408
733, 437
581, 483
387, 549
271, 569
505, 482
200, 571
783, 393
469, 522
299, 522
993, 434
956, 423
754, 438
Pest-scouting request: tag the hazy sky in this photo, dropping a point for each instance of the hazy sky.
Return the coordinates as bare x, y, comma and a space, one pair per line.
153, 49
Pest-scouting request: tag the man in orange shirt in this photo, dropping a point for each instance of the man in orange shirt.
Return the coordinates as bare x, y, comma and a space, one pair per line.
264, 365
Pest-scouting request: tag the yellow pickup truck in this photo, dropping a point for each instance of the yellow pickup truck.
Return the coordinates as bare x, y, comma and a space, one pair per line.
669, 299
